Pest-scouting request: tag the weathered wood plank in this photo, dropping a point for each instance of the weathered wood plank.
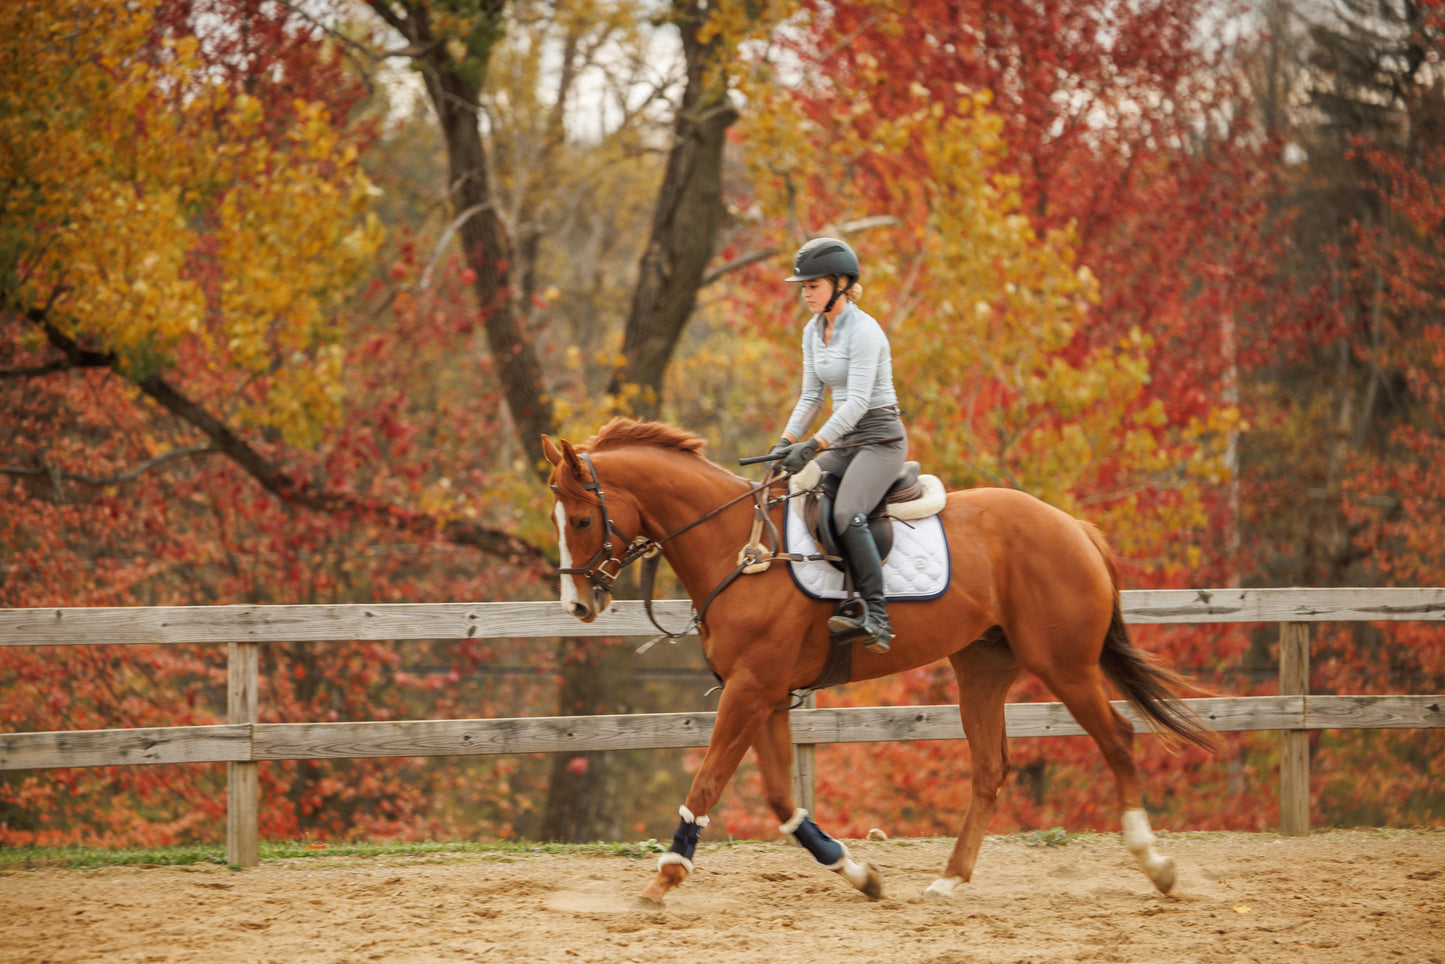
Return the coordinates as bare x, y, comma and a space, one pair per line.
1294, 746
1240, 714
869, 724
561, 734
1282, 605
243, 814
243, 779
141, 745
888, 723
805, 765
315, 741
224, 624
1375, 712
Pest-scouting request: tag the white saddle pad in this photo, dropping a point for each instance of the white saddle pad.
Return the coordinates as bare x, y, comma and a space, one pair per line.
916, 568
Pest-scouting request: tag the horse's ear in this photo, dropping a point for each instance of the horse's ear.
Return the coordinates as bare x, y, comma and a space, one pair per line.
561, 454
570, 459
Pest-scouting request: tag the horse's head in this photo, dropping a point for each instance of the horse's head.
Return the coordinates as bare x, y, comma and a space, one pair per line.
593, 529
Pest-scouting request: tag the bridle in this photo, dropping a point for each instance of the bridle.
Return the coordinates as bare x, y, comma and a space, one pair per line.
641, 547
596, 568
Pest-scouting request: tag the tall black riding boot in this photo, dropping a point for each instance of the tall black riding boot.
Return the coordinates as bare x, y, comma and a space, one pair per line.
867, 571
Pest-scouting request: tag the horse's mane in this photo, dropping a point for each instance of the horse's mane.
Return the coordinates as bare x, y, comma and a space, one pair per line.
622, 432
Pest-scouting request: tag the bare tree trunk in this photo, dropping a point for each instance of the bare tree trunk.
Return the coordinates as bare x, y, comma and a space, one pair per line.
583, 796
686, 220
454, 85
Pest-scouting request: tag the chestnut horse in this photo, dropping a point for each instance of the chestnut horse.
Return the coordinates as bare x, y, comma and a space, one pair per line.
1032, 588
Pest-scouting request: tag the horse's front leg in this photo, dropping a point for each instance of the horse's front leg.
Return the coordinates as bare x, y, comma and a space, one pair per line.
774, 750
742, 712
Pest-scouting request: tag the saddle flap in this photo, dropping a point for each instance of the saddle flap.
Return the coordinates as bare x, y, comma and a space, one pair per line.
818, 511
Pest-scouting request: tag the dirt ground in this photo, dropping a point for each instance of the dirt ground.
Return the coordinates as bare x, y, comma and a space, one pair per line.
1360, 897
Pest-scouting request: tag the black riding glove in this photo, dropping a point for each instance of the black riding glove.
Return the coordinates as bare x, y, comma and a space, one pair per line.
780, 449
800, 455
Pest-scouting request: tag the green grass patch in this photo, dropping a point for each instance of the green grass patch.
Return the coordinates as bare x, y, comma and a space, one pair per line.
34, 858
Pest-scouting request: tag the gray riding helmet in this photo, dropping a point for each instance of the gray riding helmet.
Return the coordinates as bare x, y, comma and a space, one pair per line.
822, 257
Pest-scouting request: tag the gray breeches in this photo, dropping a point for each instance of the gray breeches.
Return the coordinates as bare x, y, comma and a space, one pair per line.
868, 470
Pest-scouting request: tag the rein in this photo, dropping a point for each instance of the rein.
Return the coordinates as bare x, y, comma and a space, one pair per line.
755, 557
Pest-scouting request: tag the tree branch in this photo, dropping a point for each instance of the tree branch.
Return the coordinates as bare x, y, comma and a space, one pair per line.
721, 271
55, 472
384, 10
833, 230
48, 369
272, 478
444, 240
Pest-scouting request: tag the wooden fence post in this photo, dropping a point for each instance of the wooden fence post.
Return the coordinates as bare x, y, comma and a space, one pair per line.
1294, 756
243, 780
805, 772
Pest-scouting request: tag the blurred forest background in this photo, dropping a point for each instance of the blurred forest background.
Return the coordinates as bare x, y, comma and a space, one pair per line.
289, 289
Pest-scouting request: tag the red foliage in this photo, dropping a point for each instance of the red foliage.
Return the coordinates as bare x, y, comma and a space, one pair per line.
420, 438
1121, 124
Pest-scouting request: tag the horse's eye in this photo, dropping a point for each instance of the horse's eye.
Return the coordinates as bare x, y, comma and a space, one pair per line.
582, 523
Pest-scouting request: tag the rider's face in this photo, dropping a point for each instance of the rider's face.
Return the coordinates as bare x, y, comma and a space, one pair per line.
816, 293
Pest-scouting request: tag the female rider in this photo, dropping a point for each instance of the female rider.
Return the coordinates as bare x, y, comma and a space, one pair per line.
847, 352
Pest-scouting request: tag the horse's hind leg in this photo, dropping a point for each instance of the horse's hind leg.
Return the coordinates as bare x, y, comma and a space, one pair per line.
774, 749
985, 671
1082, 691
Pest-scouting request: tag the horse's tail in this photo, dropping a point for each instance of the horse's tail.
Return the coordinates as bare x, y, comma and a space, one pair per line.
1147, 686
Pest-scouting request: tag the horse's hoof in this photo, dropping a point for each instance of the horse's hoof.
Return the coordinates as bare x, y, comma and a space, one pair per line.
1164, 875
873, 886
942, 888
865, 876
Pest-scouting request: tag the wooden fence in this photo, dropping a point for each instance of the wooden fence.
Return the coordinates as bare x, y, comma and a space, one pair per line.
243, 741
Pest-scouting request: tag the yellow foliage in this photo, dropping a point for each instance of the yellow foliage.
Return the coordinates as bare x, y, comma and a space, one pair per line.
121, 165
986, 315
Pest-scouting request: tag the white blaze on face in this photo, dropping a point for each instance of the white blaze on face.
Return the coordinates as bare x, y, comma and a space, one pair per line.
569, 590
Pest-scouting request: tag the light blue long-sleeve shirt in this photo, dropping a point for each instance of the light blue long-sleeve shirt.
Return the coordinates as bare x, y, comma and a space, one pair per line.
856, 366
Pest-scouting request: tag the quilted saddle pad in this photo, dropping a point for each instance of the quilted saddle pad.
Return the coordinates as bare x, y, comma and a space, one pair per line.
917, 567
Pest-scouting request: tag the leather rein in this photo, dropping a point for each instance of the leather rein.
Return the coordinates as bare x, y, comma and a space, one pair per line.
755, 556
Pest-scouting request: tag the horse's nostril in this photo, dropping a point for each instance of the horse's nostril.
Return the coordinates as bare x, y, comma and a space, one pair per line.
579, 610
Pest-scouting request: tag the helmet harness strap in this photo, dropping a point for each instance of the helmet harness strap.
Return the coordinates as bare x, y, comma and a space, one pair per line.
837, 290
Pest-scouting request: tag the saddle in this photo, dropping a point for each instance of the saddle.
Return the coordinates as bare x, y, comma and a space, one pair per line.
817, 510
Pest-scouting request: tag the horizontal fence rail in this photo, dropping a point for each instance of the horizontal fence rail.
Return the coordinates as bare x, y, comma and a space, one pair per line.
244, 742
652, 731
247, 624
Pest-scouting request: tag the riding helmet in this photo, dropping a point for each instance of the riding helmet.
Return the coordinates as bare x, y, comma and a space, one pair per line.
822, 257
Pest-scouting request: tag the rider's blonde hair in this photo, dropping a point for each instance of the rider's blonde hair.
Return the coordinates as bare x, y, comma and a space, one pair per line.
854, 291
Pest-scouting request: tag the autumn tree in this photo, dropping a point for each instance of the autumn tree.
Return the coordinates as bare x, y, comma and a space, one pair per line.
360, 449
483, 120
1349, 436
190, 416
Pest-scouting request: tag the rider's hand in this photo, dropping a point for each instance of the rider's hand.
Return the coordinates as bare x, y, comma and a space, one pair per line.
799, 455
780, 449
